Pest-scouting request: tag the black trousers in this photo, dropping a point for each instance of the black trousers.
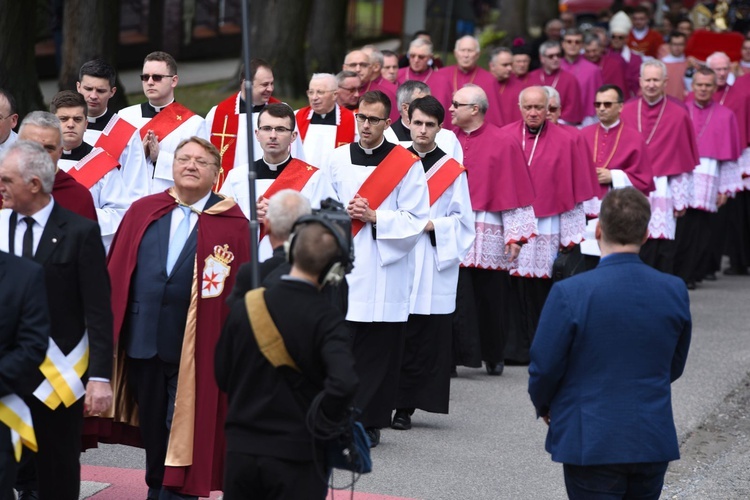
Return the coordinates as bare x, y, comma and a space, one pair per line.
530, 296
153, 383
269, 478
8, 465
641, 481
425, 377
692, 242
659, 254
378, 349
55, 470
738, 235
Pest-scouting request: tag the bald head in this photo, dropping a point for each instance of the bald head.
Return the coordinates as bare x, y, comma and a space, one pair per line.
469, 107
720, 63
359, 62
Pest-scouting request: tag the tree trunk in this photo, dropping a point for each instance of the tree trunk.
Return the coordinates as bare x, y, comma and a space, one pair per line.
326, 36
541, 11
90, 30
513, 18
17, 60
277, 34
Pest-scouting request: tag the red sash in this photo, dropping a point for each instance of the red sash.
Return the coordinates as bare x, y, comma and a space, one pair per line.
93, 167
443, 178
384, 180
167, 120
115, 136
344, 129
224, 135
294, 176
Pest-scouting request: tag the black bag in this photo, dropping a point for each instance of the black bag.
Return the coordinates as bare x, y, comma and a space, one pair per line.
569, 262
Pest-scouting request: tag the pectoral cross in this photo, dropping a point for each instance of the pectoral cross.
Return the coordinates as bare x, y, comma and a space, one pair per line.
223, 147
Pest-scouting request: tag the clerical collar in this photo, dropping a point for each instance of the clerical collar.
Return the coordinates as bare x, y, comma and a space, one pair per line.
640, 34
92, 119
257, 108
652, 104
159, 108
745, 64
606, 128
422, 155
702, 106
275, 166
371, 151
324, 119
77, 153
535, 131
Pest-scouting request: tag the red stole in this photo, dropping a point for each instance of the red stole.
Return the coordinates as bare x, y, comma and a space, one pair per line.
115, 136
344, 124
443, 177
93, 167
294, 176
224, 135
384, 180
167, 120
73, 196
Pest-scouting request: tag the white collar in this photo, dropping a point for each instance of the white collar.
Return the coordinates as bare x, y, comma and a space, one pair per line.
370, 151
640, 34
275, 166
607, 129
422, 155
92, 119
159, 108
41, 216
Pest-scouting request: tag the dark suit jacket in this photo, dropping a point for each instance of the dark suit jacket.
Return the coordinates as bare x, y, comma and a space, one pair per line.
244, 281
24, 323
78, 290
609, 344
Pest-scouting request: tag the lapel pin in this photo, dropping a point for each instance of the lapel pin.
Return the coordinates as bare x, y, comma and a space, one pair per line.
54, 240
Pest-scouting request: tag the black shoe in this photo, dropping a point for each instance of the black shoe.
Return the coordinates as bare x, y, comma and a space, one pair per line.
735, 271
454, 372
28, 495
710, 277
401, 420
690, 285
495, 369
374, 434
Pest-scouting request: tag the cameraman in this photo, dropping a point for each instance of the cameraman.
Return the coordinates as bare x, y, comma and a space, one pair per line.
269, 447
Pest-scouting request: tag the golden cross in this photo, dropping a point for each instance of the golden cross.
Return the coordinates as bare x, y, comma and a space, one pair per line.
179, 118
223, 147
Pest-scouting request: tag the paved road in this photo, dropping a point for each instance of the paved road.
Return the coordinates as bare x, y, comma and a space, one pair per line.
492, 447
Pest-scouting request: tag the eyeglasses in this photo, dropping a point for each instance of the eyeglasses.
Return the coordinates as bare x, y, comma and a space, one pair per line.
155, 78
575, 42
374, 120
537, 107
279, 130
349, 89
606, 104
200, 162
556, 55
318, 93
619, 37
459, 104
418, 56
4, 117
357, 65
553, 109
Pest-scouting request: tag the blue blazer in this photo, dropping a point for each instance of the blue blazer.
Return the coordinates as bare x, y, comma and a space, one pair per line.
609, 344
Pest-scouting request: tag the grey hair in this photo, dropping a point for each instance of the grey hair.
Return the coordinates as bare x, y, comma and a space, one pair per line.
552, 93
480, 97
500, 50
42, 119
284, 208
328, 77
374, 54
476, 42
715, 56
420, 42
33, 161
656, 64
535, 87
406, 91
590, 38
549, 44
343, 75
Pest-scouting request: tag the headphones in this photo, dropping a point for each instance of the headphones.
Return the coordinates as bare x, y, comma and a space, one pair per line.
342, 263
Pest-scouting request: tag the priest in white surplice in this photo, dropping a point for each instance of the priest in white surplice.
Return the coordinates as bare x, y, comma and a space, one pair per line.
400, 133
227, 121
426, 367
276, 170
162, 122
385, 190
324, 125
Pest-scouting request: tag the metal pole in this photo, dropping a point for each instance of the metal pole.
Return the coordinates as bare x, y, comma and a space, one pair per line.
447, 31
251, 174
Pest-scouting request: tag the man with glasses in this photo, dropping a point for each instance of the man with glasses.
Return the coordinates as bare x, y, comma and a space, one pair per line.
227, 121
419, 69
566, 84
384, 189
348, 83
169, 244
276, 169
8, 120
367, 63
610, 64
588, 74
673, 153
324, 125
619, 29
162, 122
501, 197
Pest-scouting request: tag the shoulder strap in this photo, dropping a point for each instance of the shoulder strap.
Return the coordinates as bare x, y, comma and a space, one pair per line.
266, 334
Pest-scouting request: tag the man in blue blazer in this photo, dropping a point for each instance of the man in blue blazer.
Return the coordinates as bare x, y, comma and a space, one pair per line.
609, 344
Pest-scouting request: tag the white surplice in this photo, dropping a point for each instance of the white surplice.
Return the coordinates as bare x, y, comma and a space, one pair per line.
320, 140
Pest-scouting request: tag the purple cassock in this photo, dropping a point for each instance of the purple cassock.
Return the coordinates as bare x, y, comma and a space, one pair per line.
507, 94
668, 132
569, 89
495, 167
561, 180
737, 98
632, 73
716, 131
388, 89
619, 148
613, 69
584, 159
589, 78
450, 79
426, 76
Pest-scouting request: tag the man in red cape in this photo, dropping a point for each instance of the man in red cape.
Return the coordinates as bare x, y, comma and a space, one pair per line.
192, 462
